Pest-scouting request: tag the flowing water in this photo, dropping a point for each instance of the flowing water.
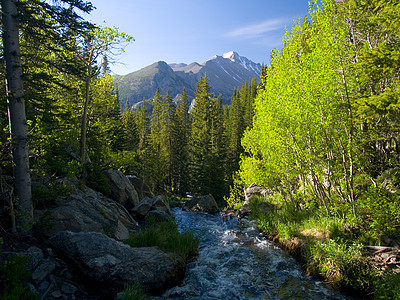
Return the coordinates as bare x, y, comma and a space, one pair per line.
236, 262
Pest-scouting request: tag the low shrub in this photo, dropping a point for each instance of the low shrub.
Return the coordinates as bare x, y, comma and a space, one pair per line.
97, 181
46, 194
13, 278
387, 287
341, 264
379, 212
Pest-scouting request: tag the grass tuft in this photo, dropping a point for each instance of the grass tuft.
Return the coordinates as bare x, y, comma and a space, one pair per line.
132, 292
387, 287
166, 236
327, 246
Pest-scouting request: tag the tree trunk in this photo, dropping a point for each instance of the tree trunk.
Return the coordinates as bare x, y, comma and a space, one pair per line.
17, 116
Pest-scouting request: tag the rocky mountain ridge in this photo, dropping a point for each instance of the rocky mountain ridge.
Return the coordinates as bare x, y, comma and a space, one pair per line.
224, 73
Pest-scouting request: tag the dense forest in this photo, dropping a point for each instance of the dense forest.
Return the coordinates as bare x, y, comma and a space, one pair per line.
179, 149
76, 125
320, 132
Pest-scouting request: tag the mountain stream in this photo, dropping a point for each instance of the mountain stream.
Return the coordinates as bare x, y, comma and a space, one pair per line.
236, 262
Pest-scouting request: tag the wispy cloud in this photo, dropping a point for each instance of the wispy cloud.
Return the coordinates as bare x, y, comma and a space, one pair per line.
259, 29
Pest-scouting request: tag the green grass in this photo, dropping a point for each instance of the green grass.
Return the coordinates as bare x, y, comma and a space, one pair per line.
387, 287
341, 264
176, 201
132, 292
166, 236
328, 248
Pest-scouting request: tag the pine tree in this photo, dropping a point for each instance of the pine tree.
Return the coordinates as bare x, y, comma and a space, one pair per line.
156, 167
105, 119
248, 107
46, 37
180, 136
166, 139
199, 137
143, 130
156, 115
234, 132
130, 129
216, 178
205, 139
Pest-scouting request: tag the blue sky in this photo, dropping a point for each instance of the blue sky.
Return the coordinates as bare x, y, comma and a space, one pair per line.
188, 31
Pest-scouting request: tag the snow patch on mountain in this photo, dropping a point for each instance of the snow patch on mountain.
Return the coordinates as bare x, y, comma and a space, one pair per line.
245, 62
231, 55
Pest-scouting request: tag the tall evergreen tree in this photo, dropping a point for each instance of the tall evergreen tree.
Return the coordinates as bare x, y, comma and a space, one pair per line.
47, 26
156, 167
199, 136
180, 135
143, 147
234, 132
166, 139
204, 141
248, 107
216, 178
130, 130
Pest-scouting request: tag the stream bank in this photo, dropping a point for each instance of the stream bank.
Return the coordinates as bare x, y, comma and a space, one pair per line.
237, 262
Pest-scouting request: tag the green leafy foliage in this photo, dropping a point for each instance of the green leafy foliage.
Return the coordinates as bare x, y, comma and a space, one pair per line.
302, 131
325, 127
379, 213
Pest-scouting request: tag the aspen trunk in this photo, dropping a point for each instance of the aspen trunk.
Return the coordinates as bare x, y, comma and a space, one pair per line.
17, 116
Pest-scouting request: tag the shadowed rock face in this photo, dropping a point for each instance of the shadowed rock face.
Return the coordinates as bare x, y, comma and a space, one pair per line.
144, 83
110, 263
122, 190
85, 210
205, 204
141, 187
157, 206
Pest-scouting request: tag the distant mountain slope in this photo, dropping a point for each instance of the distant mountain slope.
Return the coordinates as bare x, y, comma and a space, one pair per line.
224, 73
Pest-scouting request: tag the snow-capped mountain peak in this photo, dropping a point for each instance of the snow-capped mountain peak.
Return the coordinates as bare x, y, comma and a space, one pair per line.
224, 73
231, 55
